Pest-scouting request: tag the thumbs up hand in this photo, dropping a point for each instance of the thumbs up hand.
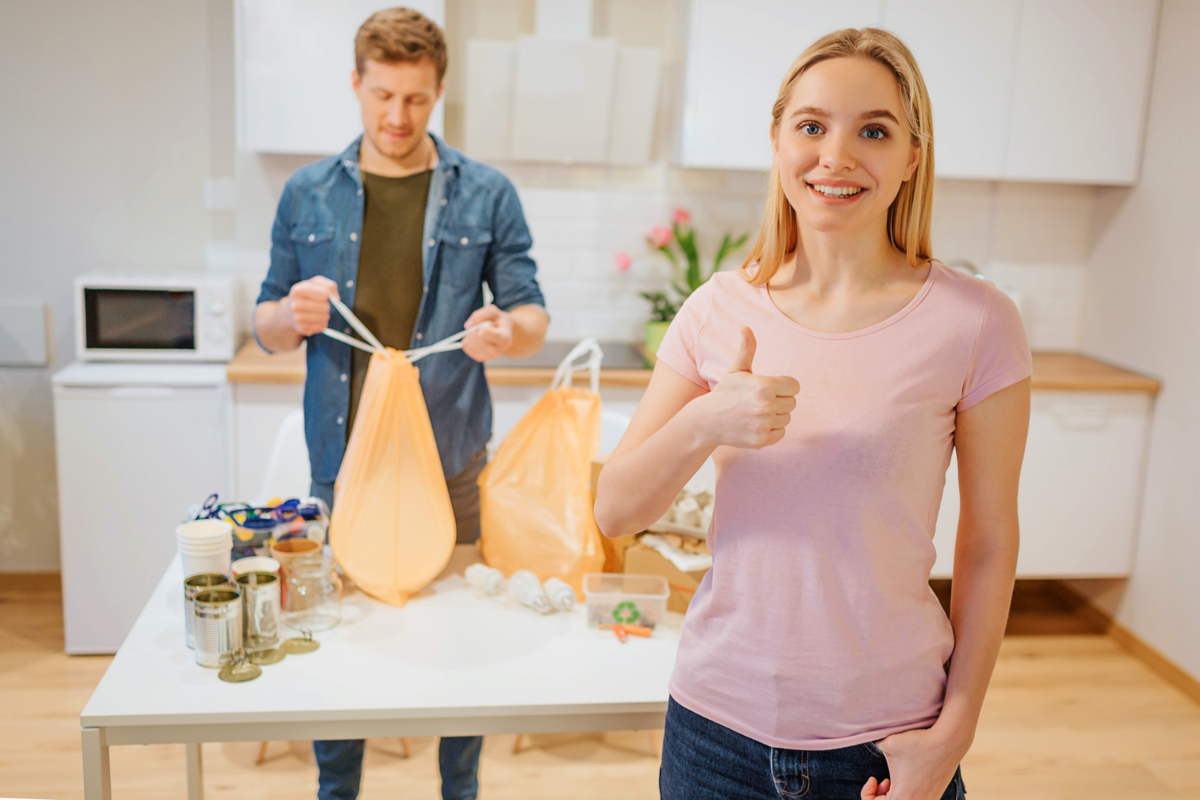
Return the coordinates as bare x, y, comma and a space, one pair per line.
747, 410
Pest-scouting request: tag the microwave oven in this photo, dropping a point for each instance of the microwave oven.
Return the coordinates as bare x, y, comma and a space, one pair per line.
154, 318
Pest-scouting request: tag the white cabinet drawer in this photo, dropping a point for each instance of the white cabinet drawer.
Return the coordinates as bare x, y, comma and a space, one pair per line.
1080, 487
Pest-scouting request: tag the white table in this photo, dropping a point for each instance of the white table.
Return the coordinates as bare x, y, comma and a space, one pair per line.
450, 663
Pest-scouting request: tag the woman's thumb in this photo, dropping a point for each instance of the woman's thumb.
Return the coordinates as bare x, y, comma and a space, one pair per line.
744, 359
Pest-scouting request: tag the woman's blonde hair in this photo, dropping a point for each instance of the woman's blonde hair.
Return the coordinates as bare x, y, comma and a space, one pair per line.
908, 219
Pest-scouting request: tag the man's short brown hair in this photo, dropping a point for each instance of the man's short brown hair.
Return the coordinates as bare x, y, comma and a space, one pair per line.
400, 34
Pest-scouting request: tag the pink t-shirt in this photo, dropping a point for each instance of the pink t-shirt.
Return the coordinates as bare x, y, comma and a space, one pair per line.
816, 627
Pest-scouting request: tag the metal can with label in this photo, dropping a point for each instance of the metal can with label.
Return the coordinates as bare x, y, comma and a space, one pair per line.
217, 625
192, 587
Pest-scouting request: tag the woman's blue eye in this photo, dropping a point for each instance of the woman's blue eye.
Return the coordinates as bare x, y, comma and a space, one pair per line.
875, 133
811, 128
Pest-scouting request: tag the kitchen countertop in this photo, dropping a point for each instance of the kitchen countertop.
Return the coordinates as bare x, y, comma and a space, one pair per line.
1051, 371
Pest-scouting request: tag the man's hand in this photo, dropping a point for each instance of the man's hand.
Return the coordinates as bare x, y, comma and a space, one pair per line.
308, 305
492, 341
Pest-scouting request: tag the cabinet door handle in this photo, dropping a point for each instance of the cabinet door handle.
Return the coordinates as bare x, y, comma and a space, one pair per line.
1081, 416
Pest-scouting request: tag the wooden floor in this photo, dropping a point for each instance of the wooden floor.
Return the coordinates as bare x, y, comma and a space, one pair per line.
1069, 716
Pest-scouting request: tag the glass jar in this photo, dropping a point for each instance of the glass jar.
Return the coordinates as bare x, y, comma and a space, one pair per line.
313, 600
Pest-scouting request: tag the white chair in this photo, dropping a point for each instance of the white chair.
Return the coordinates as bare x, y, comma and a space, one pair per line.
287, 474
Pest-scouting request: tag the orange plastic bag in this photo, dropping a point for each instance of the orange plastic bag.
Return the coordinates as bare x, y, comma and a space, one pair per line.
535, 497
392, 527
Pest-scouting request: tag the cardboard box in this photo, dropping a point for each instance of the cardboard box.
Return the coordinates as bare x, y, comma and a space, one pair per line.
641, 559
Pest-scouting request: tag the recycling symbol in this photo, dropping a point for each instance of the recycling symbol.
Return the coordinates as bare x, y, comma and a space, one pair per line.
626, 612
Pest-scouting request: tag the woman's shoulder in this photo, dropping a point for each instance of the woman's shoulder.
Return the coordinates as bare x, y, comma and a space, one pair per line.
972, 294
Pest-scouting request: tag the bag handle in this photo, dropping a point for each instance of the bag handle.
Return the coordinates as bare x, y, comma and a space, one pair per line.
566, 368
373, 345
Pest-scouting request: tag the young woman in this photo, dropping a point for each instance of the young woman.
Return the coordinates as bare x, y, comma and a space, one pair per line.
830, 379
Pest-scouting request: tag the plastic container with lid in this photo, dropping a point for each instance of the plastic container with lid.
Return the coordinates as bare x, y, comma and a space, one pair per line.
627, 599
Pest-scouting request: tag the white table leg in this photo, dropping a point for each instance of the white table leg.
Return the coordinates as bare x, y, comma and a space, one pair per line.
195, 771
97, 783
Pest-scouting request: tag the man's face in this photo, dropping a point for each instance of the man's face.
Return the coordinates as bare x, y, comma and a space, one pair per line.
397, 99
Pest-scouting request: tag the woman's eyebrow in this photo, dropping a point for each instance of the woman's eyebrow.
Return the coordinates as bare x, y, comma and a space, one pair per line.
879, 113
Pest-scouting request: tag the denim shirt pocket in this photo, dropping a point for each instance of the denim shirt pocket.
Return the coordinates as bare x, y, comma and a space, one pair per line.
313, 243
463, 252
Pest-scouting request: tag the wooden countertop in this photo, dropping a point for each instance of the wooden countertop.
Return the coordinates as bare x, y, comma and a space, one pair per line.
1051, 372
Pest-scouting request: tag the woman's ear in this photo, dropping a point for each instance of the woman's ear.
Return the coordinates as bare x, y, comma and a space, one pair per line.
912, 163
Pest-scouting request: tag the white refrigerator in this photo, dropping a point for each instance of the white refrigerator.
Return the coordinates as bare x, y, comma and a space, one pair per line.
137, 444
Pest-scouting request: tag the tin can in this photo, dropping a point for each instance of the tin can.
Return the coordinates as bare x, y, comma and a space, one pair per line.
260, 610
192, 587
217, 625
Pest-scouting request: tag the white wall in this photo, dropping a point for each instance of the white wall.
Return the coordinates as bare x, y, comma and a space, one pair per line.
1140, 298
115, 114
103, 151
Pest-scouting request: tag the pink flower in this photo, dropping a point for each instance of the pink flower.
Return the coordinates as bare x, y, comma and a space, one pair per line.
660, 236
623, 261
682, 216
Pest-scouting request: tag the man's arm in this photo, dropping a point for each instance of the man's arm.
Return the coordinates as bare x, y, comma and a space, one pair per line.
511, 275
516, 334
283, 324
289, 309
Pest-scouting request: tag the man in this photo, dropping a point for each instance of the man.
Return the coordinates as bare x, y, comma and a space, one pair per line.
405, 230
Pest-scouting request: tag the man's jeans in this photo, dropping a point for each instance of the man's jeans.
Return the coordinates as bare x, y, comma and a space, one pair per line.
341, 761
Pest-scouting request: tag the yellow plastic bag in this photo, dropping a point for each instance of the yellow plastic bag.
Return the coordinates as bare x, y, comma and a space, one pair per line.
535, 497
392, 527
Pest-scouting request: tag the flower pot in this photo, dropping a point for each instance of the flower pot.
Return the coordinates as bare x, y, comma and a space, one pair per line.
655, 331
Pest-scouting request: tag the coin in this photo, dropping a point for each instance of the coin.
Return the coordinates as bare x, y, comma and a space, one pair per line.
264, 657
299, 646
238, 673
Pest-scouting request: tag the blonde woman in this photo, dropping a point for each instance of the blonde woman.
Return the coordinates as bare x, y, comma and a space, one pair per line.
830, 379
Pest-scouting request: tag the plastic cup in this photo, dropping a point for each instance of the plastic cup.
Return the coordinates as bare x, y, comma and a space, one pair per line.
205, 564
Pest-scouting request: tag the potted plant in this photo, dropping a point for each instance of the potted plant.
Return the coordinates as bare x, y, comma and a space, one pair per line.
679, 238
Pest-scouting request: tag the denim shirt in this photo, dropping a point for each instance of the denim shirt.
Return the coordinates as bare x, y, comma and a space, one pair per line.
474, 232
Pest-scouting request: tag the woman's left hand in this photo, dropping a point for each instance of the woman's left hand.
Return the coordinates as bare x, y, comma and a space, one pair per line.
921, 762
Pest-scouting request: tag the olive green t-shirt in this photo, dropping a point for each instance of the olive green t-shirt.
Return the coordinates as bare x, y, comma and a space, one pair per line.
387, 292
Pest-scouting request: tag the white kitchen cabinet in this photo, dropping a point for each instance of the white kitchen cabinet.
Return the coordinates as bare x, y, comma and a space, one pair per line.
968, 76
1080, 90
258, 410
1023, 90
136, 445
293, 65
737, 55
1080, 487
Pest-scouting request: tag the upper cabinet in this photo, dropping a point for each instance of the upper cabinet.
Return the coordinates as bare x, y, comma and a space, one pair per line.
294, 61
1080, 89
737, 54
1029, 90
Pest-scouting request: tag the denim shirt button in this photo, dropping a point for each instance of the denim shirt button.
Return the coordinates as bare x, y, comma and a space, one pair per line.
420, 336
354, 237
344, 377
463, 241
444, 201
341, 421
312, 237
349, 284
431, 242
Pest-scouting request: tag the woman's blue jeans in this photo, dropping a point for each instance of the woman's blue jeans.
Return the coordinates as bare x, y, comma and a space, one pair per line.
702, 760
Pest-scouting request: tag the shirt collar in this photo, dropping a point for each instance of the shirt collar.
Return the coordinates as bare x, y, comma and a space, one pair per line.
448, 157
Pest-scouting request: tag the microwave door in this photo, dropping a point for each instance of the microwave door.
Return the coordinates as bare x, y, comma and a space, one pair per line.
140, 319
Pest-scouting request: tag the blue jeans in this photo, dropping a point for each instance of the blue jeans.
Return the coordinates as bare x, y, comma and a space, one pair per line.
702, 760
341, 767
340, 761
